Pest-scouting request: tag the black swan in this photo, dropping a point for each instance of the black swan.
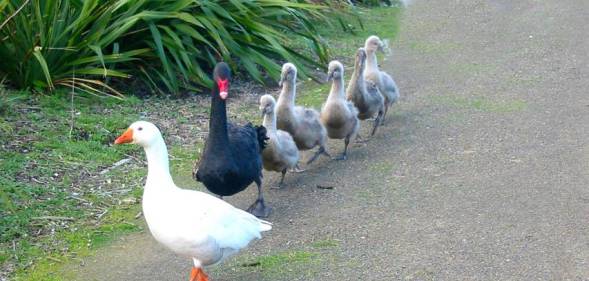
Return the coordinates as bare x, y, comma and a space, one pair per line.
232, 157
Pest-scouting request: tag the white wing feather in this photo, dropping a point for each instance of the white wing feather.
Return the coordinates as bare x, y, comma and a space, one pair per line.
230, 227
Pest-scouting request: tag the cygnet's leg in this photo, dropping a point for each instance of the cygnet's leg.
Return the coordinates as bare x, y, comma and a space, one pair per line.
281, 179
353, 135
258, 208
386, 109
320, 151
344, 155
379, 119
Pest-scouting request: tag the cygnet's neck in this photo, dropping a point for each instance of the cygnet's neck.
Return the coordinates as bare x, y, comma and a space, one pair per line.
337, 89
288, 93
371, 61
270, 122
357, 78
158, 167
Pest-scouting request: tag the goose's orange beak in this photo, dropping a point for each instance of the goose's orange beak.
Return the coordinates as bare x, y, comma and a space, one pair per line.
126, 137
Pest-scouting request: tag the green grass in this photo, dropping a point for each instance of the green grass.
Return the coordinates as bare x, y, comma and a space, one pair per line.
53, 206
381, 21
50, 205
301, 262
326, 243
182, 157
276, 262
79, 244
312, 94
51, 167
297, 263
40, 145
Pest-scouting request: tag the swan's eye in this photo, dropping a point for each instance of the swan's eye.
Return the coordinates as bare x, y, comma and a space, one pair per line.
140, 129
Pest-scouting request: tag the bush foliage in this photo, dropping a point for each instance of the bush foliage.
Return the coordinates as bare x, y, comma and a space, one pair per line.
172, 44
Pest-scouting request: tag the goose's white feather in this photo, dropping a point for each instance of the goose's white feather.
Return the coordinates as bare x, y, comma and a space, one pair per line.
191, 223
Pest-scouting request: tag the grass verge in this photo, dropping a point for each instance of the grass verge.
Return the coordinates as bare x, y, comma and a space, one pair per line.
301, 263
61, 193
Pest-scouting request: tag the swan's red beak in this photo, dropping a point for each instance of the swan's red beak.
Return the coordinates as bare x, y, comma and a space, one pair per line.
126, 137
223, 88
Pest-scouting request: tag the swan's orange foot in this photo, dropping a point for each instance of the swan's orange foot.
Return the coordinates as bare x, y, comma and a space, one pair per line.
198, 274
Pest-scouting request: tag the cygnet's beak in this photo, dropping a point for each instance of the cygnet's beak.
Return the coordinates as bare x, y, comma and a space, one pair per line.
329, 76
126, 137
381, 46
263, 112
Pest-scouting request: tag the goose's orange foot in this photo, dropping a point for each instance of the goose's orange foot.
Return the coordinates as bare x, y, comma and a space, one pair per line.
198, 274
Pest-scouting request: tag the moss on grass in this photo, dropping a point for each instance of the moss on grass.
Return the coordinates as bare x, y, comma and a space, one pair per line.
325, 243
298, 263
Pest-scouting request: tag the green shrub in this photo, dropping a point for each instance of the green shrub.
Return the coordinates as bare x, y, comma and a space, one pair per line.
170, 43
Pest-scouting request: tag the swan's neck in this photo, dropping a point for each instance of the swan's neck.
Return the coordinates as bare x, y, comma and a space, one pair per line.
158, 167
270, 122
371, 62
337, 89
218, 138
288, 93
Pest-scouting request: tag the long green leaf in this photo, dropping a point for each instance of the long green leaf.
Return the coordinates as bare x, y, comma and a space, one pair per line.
44, 67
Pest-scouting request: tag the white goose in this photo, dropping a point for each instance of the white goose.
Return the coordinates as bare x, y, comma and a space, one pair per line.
193, 224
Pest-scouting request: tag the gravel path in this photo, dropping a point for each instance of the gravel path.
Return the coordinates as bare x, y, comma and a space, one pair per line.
481, 172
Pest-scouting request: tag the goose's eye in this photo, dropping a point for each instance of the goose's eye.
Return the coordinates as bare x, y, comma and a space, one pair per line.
140, 129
